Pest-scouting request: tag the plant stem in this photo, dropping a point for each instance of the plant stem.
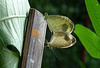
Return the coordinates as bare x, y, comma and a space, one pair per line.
87, 21
83, 55
83, 49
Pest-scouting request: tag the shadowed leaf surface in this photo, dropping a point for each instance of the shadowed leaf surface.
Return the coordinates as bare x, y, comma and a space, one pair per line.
12, 27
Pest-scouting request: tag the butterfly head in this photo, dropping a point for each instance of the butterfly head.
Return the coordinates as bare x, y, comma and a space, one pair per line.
46, 16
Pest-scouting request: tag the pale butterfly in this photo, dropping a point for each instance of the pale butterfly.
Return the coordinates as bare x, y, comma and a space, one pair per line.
62, 28
58, 23
61, 40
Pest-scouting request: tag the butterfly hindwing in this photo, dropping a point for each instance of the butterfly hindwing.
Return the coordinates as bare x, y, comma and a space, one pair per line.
62, 40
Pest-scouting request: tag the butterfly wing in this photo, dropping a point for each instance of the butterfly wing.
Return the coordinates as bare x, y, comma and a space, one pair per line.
62, 40
59, 23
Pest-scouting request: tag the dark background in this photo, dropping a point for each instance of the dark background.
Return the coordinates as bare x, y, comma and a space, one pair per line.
70, 57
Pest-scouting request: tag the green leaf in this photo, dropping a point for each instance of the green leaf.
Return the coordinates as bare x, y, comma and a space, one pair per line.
12, 27
93, 8
81, 64
89, 39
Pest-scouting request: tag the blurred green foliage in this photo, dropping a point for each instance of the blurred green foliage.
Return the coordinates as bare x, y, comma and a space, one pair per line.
65, 58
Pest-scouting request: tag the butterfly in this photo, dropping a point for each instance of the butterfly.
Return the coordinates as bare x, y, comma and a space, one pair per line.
58, 23
62, 27
61, 40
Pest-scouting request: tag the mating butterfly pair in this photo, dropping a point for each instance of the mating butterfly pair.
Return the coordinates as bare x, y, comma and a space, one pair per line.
62, 28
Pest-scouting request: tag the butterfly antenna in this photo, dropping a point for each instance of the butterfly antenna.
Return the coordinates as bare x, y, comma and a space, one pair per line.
55, 56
